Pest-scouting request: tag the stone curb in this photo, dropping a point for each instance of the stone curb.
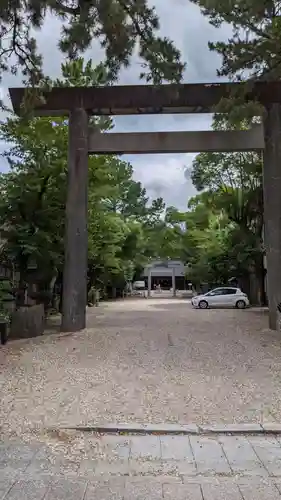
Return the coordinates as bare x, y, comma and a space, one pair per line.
244, 428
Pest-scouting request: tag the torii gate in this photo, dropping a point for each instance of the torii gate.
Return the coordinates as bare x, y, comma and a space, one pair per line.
80, 103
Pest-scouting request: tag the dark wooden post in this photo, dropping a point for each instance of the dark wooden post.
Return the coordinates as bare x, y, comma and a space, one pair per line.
272, 209
76, 234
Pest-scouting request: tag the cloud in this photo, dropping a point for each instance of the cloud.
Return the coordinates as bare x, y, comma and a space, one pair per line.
162, 175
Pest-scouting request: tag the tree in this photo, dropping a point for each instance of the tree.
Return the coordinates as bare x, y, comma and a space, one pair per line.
33, 197
121, 26
208, 261
233, 184
251, 53
124, 206
254, 48
31, 228
33, 194
128, 197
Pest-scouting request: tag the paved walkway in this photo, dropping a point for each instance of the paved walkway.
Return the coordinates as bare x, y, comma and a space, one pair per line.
143, 468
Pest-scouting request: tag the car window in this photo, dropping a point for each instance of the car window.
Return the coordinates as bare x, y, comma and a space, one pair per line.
229, 291
217, 291
222, 291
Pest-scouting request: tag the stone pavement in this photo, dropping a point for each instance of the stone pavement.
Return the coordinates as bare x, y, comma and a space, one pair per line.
123, 467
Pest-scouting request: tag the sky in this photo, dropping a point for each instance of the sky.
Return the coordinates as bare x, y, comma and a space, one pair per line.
162, 175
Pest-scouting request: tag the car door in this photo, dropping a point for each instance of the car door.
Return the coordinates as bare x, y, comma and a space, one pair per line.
214, 297
229, 297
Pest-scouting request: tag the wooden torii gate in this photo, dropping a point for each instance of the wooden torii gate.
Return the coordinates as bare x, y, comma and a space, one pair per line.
80, 103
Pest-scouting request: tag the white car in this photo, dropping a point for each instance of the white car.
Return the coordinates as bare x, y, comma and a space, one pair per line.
222, 297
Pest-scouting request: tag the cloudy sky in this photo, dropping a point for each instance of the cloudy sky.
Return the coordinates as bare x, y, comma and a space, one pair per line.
162, 175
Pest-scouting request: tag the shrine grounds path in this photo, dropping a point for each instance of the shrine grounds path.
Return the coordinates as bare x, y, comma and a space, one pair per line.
145, 361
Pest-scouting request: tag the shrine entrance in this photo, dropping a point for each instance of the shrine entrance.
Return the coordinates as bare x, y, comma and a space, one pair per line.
80, 103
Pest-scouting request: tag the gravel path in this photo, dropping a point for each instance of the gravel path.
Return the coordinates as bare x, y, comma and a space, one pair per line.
145, 361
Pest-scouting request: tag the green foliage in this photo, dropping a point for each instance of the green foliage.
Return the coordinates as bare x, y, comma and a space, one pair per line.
220, 249
33, 196
224, 225
254, 47
120, 26
233, 182
253, 50
208, 258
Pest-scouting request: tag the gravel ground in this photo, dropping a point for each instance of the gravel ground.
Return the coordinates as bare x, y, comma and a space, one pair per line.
144, 361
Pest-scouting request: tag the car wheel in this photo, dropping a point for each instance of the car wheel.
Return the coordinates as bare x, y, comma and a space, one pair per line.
240, 304
203, 304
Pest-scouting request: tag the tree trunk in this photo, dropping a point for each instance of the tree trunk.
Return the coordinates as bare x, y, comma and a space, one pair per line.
272, 209
244, 284
255, 292
22, 286
260, 274
60, 292
76, 234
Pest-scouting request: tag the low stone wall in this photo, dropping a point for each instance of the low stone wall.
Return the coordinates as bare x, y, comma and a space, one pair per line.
27, 322
186, 294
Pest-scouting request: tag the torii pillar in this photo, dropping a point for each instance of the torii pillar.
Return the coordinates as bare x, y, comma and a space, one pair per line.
272, 208
76, 233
